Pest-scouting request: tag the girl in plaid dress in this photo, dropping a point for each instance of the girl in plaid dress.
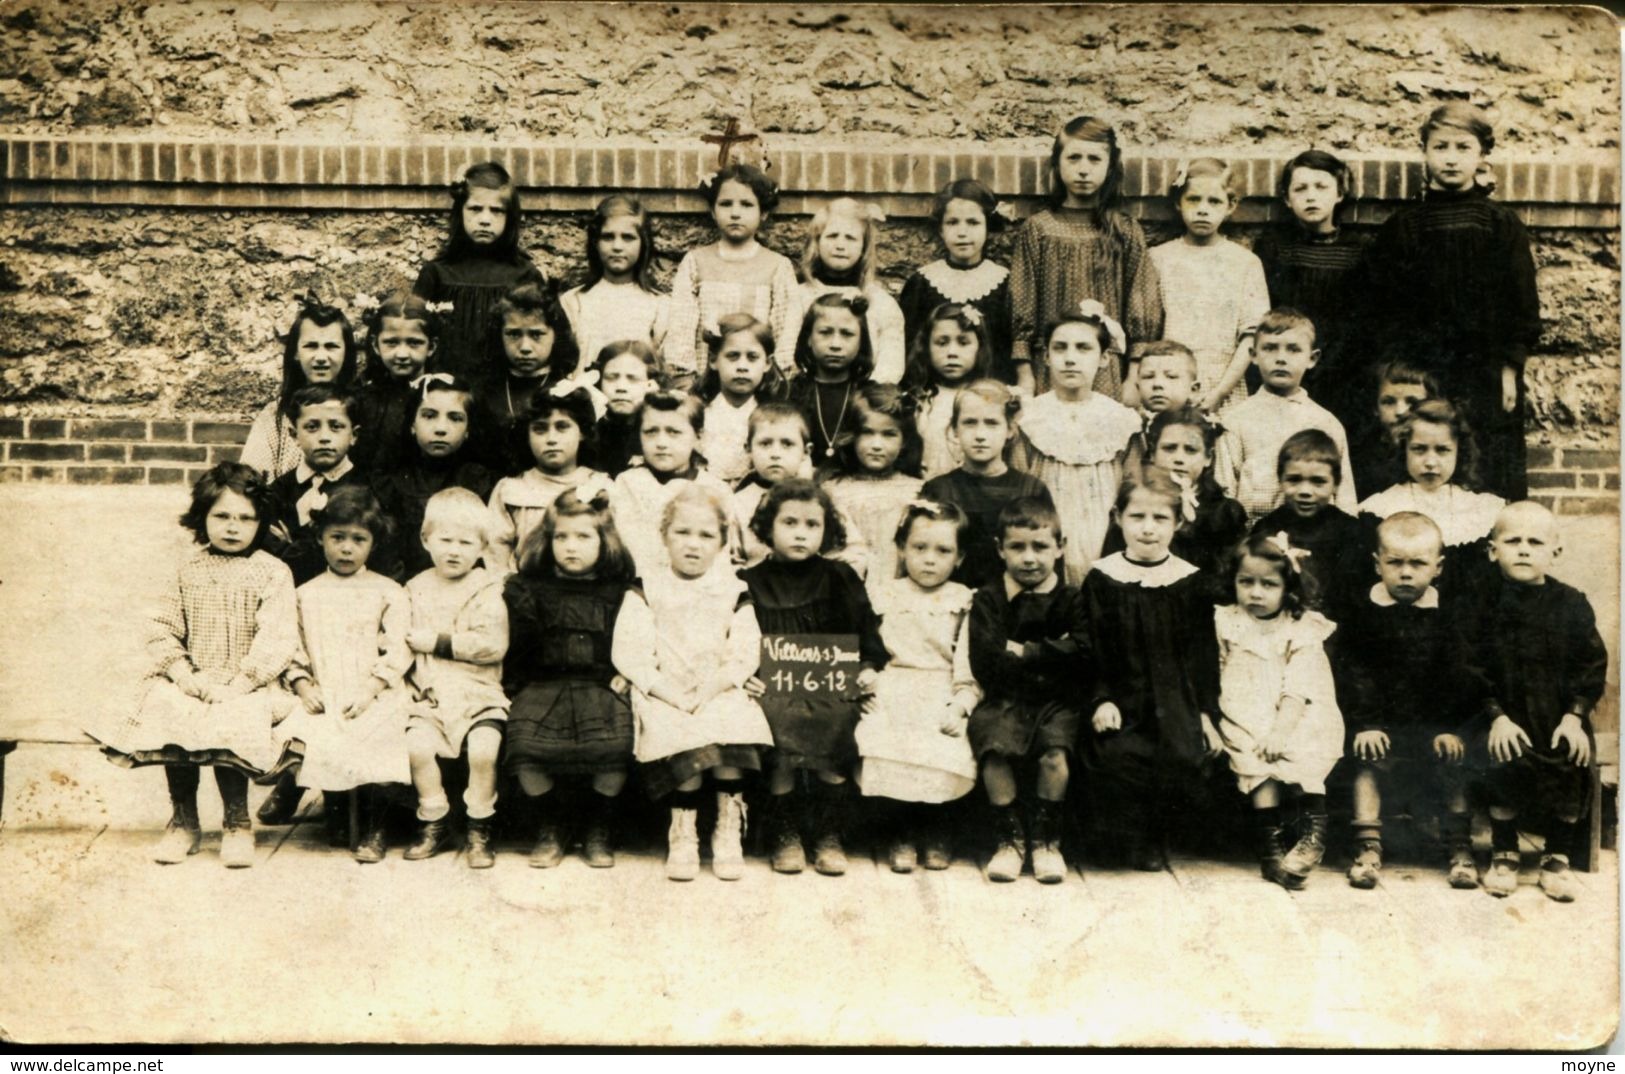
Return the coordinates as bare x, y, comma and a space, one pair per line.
221, 638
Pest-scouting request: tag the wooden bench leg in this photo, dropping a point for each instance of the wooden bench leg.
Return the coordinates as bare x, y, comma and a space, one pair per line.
1590, 854
5, 748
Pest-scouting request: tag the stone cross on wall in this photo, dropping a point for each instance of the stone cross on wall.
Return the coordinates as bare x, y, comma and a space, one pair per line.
725, 141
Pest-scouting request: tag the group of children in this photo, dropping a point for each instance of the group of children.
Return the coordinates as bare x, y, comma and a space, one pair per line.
554, 536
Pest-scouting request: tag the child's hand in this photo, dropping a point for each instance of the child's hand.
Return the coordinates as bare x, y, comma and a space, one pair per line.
866, 681
364, 702
278, 531
421, 639
1449, 748
1509, 389
1014, 648
953, 721
1268, 749
755, 687
1508, 740
1371, 745
1573, 735
309, 696
620, 686
1210, 735
1107, 718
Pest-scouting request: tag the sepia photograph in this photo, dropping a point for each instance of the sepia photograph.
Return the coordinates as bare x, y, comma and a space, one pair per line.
697, 525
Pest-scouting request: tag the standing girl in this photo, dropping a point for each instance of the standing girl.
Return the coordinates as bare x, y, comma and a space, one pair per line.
532, 348
951, 350
798, 591
319, 348
349, 672
835, 358
879, 477
223, 636
480, 262
1280, 725
1074, 440
436, 452
912, 738
1213, 290
965, 213
569, 715
628, 370
1310, 264
687, 641
1082, 246
1441, 460
735, 274
562, 423
739, 375
984, 423
401, 334
1155, 688
1452, 282
619, 299
840, 257
1210, 523
669, 427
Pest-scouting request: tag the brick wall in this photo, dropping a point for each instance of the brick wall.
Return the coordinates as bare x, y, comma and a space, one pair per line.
115, 451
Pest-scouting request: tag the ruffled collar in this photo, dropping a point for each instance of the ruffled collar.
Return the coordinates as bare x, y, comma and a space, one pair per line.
1080, 434
1463, 516
1264, 635
965, 285
1119, 568
905, 593
533, 488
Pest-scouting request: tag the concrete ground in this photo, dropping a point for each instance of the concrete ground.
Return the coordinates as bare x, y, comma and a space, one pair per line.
100, 944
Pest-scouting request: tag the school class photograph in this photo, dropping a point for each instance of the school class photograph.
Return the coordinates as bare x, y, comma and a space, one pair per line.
999, 526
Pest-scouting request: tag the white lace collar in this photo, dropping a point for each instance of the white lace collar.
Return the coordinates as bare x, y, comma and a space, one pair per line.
1119, 568
965, 285
1381, 598
1463, 516
1079, 434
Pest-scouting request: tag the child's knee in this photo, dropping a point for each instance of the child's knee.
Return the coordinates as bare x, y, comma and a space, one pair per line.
1052, 764
484, 746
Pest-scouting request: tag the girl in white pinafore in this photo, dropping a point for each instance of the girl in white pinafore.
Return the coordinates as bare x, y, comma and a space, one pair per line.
688, 641
1280, 722
912, 738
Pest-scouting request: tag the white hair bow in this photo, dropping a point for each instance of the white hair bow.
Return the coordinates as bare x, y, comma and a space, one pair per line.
1187, 496
583, 382
972, 316
1091, 310
1294, 556
427, 381
440, 307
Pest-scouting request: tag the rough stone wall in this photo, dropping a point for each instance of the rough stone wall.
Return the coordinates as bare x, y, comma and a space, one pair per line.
159, 312
1342, 77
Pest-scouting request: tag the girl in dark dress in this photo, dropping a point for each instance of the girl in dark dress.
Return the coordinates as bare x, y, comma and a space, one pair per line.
797, 590
1182, 442
570, 714
1154, 688
966, 213
531, 349
984, 421
1452, 287
436, 451
1309, 264
480, 262
402, 335
627, 371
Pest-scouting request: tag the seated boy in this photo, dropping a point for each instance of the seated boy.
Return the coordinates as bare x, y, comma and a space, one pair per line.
1399, 387
1256, 427
1024, 654
1409, 691
1546, 665
325, 430
779, 445
1309, 470
1162, 378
